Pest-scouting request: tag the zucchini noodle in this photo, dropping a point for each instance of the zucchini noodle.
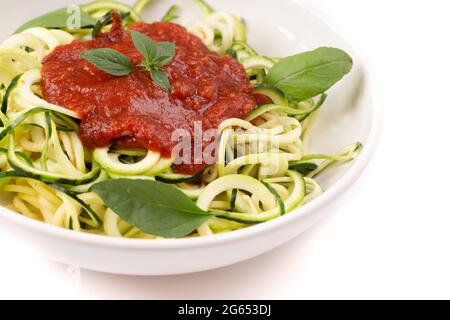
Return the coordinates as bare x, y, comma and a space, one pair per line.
48, 173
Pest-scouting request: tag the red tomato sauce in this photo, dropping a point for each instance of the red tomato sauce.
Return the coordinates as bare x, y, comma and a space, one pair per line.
132, 110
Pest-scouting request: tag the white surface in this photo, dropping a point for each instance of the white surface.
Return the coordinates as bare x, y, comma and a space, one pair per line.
391, 238
349, 115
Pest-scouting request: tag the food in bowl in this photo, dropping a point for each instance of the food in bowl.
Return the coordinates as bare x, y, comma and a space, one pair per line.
169, 129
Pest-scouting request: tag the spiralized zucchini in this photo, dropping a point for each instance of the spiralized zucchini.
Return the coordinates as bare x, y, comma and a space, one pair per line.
48, 173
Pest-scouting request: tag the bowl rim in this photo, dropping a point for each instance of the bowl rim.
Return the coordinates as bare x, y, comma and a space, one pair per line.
348, 179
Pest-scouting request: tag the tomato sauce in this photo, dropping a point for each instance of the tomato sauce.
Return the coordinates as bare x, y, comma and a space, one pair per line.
132, 110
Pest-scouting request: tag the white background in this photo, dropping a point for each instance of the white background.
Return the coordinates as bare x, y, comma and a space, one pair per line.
390, 239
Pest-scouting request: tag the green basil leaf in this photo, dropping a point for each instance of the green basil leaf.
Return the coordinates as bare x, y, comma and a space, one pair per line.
109, 60
146, 46
155, 55
165, 53
153, 207
161, 79
59, 19
309, 74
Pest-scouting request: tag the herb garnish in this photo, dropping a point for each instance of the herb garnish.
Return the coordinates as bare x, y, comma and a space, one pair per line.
153, 207
309, 74
58, 19
109, 60
156, 55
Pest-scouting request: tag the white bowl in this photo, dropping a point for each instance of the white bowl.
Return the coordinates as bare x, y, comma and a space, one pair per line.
276, 28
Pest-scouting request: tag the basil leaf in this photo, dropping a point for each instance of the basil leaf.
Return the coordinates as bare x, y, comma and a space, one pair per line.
161, 79
146, 46
58, 19
151, 206
165, 53
109, 60
309, 74
155, 55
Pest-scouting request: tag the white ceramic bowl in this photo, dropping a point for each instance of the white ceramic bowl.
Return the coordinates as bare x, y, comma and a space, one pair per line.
276, 28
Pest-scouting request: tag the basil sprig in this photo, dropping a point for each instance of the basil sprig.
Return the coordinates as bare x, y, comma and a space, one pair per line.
58, 19
309, 74
153, 207
156, 55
